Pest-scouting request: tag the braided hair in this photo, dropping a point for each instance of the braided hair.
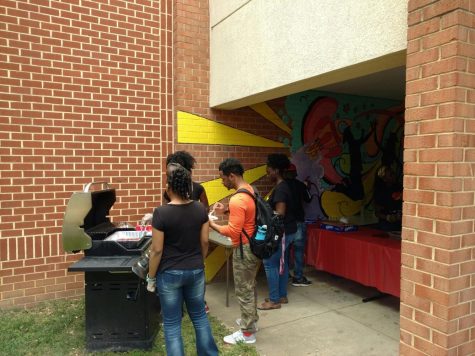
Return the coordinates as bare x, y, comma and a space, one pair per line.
179, 180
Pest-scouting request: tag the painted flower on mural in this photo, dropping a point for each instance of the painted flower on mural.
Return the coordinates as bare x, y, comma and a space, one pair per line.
321, 137
319, 131
343, 139
311, 172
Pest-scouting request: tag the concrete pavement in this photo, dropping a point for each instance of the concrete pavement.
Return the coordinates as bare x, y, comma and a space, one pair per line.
325, 319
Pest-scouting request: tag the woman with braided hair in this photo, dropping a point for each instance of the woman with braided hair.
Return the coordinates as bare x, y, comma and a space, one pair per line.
179, 246
187, 161
197, 192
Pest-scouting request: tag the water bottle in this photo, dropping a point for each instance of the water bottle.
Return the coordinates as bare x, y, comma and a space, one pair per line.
140, 268
261, 232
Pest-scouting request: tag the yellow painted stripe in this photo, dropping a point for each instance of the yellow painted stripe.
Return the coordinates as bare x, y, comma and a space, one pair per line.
196, 129
266, 112
214, 262
216, 191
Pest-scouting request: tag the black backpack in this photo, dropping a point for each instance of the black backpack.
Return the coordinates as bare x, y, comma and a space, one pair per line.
264, 249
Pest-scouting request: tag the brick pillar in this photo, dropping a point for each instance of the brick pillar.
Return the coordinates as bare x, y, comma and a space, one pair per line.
438, 247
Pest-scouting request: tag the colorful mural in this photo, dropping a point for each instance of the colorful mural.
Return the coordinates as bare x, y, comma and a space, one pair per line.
338, 142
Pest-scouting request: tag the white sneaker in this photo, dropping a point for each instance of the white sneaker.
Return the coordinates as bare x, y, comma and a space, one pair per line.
238, 337
238, 322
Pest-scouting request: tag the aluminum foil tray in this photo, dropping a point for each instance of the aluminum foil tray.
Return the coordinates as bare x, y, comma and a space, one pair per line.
124, 236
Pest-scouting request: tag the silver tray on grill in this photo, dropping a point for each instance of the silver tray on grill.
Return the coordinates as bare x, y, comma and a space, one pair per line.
127, 239
127, 236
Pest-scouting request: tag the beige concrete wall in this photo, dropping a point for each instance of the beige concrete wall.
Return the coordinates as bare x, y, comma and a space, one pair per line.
262, 49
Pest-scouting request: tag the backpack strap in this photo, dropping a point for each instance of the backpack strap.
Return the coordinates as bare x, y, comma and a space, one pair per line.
240, 246
243, 190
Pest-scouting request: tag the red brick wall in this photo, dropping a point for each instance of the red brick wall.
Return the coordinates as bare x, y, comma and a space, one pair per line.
85, 95
192, 72
438, 248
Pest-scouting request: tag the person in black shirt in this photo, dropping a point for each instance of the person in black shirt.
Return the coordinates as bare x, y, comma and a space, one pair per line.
188, 162
277, 266
300, 194
387, 199
198, 193
179, 247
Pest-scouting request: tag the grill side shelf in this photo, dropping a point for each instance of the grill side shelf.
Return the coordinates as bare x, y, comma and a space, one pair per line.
104, 264
116, 248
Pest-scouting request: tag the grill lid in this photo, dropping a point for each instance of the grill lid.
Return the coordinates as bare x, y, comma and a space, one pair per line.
87, 211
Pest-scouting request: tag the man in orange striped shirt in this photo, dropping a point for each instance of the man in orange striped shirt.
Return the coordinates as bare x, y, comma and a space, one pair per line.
242, 213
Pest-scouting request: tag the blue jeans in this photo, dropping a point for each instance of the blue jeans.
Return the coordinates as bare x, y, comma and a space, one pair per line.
299, 249
174, 286
276, 282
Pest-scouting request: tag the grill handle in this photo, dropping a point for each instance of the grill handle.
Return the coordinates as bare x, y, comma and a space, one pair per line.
105, 185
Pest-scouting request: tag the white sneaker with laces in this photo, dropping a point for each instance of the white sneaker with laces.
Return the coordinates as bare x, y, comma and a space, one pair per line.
238, 337
238, 322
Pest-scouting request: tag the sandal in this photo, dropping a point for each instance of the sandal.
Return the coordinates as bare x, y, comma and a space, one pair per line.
282, 300
269, 306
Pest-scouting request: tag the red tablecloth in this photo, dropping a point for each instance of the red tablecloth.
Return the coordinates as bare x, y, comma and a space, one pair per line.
360, 255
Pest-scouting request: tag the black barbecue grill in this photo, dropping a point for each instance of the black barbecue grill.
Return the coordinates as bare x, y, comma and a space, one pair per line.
120, 313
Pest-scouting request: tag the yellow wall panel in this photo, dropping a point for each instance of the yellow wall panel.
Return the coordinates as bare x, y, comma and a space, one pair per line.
195, 129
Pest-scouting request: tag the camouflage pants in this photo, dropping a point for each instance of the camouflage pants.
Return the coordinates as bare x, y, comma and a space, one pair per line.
244, 271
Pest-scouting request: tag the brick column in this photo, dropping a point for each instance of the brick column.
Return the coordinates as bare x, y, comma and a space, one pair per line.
438, 247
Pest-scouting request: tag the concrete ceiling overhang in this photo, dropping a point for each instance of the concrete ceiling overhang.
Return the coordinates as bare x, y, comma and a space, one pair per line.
383, 77
387, 84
